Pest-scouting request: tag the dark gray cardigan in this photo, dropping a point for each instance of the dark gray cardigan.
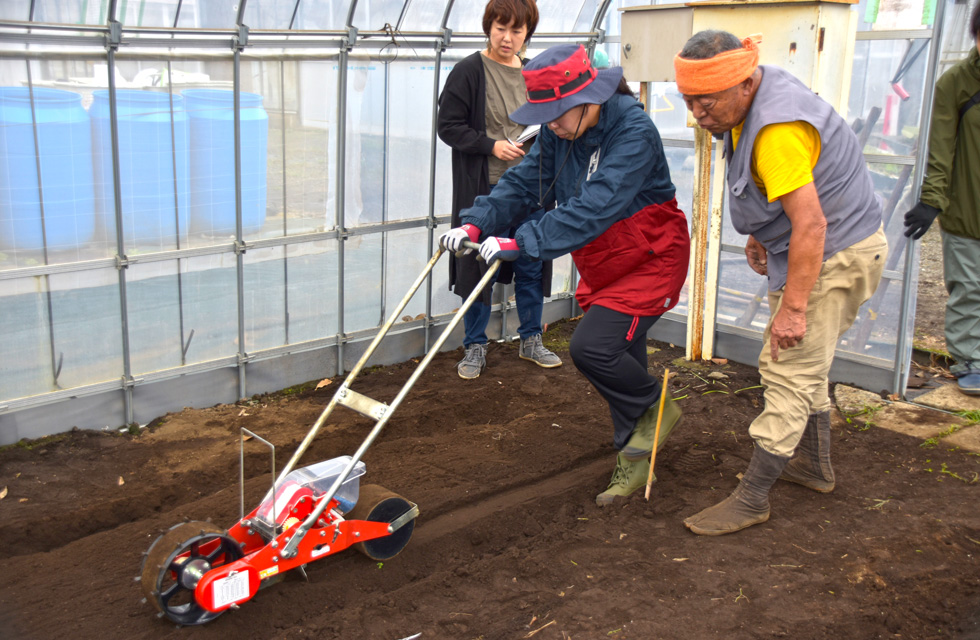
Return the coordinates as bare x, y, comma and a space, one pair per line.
462, 125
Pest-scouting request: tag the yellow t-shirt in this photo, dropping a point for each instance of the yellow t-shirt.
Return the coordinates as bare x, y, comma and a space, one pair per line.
784, 156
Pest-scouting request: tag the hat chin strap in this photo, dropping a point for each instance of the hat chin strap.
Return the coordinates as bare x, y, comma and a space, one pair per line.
561, 166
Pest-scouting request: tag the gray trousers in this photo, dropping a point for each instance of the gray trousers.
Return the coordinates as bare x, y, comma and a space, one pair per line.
961, 270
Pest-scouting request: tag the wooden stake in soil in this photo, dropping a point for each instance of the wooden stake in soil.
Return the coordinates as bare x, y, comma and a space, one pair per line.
656, 435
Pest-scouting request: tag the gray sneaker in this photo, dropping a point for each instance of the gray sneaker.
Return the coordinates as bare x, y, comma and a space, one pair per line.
473, 363
532, 349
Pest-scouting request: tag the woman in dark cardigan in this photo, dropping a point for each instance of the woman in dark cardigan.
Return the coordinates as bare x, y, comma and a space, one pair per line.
479, 93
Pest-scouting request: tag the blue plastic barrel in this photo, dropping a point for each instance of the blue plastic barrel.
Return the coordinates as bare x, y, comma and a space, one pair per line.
212, 146
154, 173
64, 147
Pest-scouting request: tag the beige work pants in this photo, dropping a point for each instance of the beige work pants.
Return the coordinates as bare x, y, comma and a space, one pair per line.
796, 385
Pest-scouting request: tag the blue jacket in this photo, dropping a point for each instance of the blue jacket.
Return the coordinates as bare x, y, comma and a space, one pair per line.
631, 174
635, 264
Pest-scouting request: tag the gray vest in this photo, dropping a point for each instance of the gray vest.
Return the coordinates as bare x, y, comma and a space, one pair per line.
841, 177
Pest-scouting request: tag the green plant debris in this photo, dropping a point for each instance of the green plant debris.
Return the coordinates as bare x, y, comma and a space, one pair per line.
758, 386
684, 363
929, 443
879, 503
972, 416
945, 470
866, 415
30, 445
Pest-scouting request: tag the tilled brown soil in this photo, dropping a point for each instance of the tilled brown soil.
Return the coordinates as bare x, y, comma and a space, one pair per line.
509, 543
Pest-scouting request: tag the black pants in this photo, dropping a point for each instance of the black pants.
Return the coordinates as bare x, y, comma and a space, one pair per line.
610, 349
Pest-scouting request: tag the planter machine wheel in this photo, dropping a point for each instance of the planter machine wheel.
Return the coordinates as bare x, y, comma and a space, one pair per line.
377, 504
174, 564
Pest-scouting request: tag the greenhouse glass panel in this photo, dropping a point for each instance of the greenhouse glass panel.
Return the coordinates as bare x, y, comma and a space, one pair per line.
874, 15
153, 136
957, 42
309, 201
299, 132
19, 10
408, 255
264, 185
322, 14
47, 191
70, 12
743, 294
612, 21
207, 14
887, 86
311, 290
365, 163
376, 15
565, 16
410, 138
443, 299
666, 106
423, 15
27, 366
611, 51
467, 17
363, 260
444, 169
149, 13
213, 209
209, 286
87, 326
263, 14
156, 332
265, 302
680, 161
742, 300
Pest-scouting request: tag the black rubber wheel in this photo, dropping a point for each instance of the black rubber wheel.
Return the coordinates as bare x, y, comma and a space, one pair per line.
377, 504
162, 575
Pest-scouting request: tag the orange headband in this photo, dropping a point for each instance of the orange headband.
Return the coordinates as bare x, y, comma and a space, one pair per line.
723, 71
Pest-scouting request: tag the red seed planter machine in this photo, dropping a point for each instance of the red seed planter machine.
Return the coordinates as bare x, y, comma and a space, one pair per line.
196, 571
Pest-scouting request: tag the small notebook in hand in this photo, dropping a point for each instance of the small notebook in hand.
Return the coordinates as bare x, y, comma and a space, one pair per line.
529, 133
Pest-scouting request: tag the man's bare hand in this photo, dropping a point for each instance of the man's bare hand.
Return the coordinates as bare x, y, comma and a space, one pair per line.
755, 253
788, 329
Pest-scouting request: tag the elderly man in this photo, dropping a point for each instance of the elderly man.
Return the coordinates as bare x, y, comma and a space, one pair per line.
799, 188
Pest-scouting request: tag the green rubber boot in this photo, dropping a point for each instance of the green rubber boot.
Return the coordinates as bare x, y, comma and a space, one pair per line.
640, 443
629, 476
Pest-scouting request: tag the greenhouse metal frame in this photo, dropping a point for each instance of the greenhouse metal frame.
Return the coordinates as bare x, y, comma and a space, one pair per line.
278, 236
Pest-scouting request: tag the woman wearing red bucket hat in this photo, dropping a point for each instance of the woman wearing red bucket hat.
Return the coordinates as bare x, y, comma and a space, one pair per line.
600, 160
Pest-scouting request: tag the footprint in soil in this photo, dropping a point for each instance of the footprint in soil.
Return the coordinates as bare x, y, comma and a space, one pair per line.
691, 466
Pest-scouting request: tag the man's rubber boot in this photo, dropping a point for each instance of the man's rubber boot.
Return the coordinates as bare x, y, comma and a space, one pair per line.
640, 443
748, 504
629, 476
810, 464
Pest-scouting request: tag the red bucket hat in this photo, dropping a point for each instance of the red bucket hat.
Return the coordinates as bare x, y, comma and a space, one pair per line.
561, 78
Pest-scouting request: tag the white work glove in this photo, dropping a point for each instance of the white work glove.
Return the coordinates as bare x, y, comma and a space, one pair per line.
499, 249
453, 239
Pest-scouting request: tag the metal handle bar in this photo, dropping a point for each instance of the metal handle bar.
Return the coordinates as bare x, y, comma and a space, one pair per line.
290, 549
